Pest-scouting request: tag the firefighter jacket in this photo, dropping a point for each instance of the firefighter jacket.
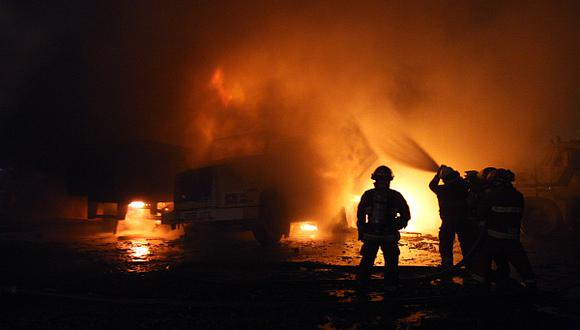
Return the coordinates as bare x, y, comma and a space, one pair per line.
452, 198
476, 189
381, 213
502, 208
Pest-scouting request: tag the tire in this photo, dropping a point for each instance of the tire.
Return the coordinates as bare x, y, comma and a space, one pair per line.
272, 222
542, 217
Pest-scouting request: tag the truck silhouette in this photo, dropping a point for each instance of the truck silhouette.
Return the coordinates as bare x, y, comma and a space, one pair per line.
260, 183
552, 190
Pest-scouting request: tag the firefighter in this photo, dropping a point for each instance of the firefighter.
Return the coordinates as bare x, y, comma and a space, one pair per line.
454, 213
501, 207
477, 184
472, 180
501, 274
381, 213
483, 176
475, 187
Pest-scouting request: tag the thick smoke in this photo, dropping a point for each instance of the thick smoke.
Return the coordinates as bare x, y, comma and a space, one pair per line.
474, 83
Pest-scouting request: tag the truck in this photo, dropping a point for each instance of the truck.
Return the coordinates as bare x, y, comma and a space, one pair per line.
260, 183
552, 190
230, 195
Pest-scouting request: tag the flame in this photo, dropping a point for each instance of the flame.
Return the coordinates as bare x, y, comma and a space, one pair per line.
137, 205
140, 223
304, 230
308, 227
227, 95
413, 184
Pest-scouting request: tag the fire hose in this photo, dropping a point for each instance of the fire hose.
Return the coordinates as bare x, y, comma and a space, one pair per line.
480, 238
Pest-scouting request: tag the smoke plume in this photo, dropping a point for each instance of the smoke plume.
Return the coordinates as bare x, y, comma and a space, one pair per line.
473, 84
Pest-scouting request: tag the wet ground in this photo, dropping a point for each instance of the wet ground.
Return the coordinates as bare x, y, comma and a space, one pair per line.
147, 276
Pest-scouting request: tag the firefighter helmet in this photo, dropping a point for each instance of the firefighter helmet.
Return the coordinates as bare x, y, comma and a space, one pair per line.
471, 174
448, 174
501, 176
382, 173
484, 173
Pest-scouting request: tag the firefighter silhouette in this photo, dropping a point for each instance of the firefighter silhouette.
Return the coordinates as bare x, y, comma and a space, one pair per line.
381, 213
452, 196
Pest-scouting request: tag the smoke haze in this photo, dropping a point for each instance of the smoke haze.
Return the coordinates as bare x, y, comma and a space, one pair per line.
474, 83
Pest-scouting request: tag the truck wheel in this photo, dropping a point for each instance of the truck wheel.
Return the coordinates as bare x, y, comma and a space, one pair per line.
272, 222
542, 217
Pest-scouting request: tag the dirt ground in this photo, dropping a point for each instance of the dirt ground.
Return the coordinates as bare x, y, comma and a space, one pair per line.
79, 277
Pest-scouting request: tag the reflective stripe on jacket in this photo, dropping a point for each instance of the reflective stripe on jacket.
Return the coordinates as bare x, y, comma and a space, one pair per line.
502, 235
501, 207
506, 209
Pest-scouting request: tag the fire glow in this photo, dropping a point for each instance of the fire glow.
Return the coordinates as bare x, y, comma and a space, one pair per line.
413, 185
140, 250
336, 155
227, 95
308, 227
304, 230
137, 205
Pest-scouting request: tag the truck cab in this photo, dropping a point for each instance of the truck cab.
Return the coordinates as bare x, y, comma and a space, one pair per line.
232, 195
261, 181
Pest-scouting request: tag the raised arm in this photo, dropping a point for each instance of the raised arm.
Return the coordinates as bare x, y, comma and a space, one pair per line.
434, 183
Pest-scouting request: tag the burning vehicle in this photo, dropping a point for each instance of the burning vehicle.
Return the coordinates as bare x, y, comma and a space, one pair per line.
552, 190
244, 189
229, 194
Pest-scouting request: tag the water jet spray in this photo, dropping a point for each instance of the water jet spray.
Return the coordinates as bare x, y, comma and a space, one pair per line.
407, 151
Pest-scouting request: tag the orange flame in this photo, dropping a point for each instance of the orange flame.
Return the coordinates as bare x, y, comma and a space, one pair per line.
308, 227
304, 230
227, 95
137, 204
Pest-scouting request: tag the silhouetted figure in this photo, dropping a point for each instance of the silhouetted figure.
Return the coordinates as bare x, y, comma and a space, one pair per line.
454, 212
381, 213
501, 207
472, 179
475, 186
501, 274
